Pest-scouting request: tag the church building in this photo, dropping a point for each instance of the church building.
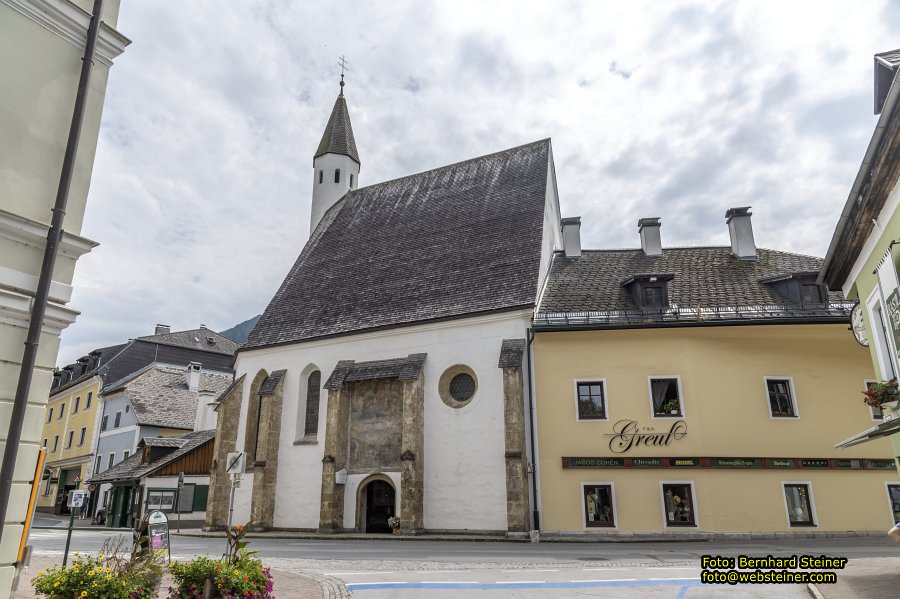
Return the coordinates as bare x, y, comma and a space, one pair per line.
385, 385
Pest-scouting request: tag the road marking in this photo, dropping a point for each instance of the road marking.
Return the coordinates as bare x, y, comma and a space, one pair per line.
449, 582
355, 573
658, 582
521, 582
520, 570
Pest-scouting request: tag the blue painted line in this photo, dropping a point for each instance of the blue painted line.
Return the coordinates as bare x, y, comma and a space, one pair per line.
682, 593
377, 586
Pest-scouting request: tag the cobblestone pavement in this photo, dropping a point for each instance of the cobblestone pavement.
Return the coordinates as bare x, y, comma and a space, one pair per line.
288, 584
869, 578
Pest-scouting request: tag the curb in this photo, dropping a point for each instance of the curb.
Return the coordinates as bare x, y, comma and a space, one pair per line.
813, 591
332, 588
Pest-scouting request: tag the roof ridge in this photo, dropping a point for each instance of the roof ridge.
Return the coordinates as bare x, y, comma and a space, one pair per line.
695, 247
452, 164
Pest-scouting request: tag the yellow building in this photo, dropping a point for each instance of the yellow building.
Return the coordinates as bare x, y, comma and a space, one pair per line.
699, 391
69, 434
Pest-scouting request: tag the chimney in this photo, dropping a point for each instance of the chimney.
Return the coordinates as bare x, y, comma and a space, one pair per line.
651, 242
741, 231
163, 329
571, 234
193, 376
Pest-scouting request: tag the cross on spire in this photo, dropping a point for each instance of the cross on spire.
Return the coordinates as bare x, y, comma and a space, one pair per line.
345, 65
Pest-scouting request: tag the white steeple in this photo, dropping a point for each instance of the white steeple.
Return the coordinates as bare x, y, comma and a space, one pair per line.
336, 162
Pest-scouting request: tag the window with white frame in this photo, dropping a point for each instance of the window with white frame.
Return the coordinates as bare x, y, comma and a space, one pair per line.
679, 504
665, 397
780, 392
799, 504
878, 327
875, 411
599, 505
591, 399
894, 498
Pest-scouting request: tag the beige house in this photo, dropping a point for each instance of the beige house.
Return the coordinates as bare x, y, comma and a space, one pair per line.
35, 114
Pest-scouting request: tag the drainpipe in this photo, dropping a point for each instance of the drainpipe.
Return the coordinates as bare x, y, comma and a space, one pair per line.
536, 512
39, 306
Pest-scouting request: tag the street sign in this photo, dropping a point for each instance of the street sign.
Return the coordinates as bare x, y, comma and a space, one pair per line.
158, 532
77, 498
234, 463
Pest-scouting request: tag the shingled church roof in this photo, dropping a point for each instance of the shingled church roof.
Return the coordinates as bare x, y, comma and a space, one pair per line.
338, 136
458, 240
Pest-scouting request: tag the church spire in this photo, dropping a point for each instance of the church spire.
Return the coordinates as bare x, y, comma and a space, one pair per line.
338, 136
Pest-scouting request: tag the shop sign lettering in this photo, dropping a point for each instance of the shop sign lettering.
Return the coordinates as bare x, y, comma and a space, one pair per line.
628, 434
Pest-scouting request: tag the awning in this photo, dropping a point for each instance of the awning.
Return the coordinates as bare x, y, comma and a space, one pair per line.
882, 430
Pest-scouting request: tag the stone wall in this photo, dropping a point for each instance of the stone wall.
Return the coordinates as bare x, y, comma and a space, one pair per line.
265, 467
516, 476
229, 411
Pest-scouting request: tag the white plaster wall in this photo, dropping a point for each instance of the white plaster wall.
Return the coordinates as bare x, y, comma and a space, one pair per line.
352, 488
551, 238
328, 192
465, 471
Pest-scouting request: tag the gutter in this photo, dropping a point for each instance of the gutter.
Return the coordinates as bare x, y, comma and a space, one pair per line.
874, 143
54, 235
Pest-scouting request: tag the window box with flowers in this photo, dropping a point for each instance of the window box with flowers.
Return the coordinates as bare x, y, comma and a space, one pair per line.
882, 395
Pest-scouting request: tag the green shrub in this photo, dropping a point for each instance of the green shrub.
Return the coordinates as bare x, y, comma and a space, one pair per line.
101, 577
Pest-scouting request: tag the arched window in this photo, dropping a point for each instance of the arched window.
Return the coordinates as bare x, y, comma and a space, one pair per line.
313, 388
337, 175
321, 177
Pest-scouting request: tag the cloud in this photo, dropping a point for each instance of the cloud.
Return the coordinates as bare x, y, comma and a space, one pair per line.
203, 172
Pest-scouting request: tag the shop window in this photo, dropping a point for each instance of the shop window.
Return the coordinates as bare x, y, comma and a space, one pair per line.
894, 497
599, 506
781, 398
678, 502
797, 497
665, 395
591, 397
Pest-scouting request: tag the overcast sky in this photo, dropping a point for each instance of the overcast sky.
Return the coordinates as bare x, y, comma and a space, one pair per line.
201, 187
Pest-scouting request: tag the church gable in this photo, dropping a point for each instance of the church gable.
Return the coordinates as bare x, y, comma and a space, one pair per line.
458, 240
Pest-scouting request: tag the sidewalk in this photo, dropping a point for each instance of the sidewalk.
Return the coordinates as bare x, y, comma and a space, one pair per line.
288, 585
867, 578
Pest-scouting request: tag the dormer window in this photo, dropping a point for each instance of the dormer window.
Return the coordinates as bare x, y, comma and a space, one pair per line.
798, 287
649, 290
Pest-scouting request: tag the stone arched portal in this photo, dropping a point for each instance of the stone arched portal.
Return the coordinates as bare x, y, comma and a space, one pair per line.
376, 501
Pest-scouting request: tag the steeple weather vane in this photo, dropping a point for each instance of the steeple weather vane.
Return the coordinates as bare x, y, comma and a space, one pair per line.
345, 65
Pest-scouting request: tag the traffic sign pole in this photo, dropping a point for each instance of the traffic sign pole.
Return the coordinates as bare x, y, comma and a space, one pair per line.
76, 500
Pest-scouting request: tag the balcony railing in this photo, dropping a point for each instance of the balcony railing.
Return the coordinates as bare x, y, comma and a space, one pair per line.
681, 315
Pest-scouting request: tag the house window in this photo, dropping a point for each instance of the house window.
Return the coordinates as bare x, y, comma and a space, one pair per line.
810, 294
87, 402
110, 460
311, 424
599, 507
666, 397
337, 175
125, 455
678, 503
77, 401
105, 422
875, 411
97, 464
351, 180
127, 408
797, 497
55, 443
62, 410
321, 177
462, 387
457, 386
81, 436
47, 483
591, 400
894, 498
781, 399
69, 439
118, 420
50, 415
653, 297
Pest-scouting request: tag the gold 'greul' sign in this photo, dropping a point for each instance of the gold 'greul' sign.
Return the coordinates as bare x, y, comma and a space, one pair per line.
629, 433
